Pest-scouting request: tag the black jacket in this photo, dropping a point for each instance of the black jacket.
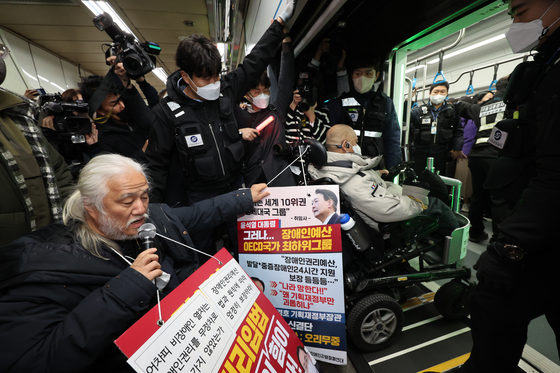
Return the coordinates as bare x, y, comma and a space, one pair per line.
481, 147
120, 139
449, 129
261, 164
214, 165
380, 117
127, 139
61, 308
533, 223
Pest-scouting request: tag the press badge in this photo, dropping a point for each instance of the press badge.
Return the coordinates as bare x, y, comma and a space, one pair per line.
173, 105
497, 138
433, 131
194, 140
354, 114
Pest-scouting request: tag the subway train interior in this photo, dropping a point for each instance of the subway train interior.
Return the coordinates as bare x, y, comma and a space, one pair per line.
53, 44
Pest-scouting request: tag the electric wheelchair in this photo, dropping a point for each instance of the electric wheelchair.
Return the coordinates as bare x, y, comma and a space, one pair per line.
399, 256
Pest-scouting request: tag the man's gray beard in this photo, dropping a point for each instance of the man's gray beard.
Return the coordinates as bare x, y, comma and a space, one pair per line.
109, 226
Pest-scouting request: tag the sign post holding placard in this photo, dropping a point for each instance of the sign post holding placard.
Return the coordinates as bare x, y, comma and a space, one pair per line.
215, 321
292, 242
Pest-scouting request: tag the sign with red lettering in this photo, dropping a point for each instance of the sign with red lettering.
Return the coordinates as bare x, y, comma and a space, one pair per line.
215, 321
292, 243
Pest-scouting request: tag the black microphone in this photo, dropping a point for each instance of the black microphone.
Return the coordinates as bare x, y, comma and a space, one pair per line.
147, 233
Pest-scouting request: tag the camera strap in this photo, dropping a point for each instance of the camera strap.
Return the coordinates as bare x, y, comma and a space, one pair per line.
101, 92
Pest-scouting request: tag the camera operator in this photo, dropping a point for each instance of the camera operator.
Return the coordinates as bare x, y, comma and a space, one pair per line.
262, 164
53, 135
136, 113
115, 135
305, 121
34, 179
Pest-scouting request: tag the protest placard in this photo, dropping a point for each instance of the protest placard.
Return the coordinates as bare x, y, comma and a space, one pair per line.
215, 321
292, 242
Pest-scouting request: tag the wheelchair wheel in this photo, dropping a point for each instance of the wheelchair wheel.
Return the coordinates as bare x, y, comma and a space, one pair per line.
375, 322
452, 300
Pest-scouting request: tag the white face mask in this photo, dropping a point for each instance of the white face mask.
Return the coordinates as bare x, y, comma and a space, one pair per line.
209, 92
363, 84
355, 148
437, 99
523, 37
261, 101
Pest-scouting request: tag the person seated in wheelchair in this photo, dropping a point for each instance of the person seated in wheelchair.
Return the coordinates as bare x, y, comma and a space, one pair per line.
374, 199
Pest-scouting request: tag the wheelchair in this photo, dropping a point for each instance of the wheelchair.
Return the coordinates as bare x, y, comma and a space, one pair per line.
377, 277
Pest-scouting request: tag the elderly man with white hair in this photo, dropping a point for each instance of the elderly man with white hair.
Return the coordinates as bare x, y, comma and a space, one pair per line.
69, 290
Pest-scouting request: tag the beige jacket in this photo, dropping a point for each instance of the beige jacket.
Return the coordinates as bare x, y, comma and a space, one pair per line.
376, 200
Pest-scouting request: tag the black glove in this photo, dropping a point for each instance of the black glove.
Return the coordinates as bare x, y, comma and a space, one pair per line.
502, 275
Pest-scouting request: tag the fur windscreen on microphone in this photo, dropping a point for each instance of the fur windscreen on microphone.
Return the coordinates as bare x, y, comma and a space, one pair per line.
147, 230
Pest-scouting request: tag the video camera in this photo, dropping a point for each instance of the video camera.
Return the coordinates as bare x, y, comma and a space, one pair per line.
138, 58
68, 125
307, 91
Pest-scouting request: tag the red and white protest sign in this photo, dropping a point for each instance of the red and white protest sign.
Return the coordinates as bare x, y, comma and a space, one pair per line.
292, 242
215, 321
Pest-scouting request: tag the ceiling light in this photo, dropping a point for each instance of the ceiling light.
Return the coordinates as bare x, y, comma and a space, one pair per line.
161, 74
40, 77
460, 51
99, 7
29, 75
57, 86
467, 49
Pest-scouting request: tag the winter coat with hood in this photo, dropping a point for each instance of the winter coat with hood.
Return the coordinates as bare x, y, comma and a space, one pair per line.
61, 308
375, 199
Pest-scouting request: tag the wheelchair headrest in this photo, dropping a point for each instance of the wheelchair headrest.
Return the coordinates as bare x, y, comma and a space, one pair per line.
317, 152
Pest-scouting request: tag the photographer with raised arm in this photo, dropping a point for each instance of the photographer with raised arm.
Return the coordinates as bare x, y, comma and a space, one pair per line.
114, 134
135, 111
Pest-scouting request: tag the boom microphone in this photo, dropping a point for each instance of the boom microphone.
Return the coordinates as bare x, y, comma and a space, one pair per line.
147, 233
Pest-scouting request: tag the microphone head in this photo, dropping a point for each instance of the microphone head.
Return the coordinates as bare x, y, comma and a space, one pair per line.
147, 230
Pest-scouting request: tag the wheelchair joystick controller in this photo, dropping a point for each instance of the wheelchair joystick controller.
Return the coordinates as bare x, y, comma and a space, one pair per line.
355, 233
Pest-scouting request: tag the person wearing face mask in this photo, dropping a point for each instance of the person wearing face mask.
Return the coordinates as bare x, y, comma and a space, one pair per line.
483, 154
195, 150
261, 164
524, 257
435, 128
375, 199
369, 111
34, 179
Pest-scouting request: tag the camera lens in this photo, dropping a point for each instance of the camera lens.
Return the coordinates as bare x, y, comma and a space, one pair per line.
133, 64
78, 125
304, 106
